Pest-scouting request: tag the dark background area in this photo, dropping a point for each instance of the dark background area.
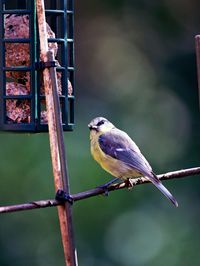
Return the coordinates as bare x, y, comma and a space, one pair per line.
135, 65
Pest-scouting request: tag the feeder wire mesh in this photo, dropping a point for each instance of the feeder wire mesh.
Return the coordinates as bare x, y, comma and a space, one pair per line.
22, 99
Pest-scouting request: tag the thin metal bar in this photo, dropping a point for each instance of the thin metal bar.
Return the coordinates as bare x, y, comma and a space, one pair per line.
58, 40
32, 48
197, 42
17, 68
20, 97
57, 12
70, 68
71, 97
17, 40
58, 121
70, 32
64, 31
24, 127
2, 90
17, 11
70, 12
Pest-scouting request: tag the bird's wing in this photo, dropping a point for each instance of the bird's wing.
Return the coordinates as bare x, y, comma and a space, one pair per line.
120, 146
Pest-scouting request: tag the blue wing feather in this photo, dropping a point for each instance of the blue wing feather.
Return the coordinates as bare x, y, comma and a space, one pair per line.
119, 145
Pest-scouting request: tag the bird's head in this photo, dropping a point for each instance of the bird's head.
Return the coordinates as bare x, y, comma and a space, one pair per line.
100, 125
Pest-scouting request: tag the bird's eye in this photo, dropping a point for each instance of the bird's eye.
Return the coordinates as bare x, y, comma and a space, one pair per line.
100, 123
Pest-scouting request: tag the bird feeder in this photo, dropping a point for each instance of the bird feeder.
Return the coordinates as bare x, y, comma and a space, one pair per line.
22, 96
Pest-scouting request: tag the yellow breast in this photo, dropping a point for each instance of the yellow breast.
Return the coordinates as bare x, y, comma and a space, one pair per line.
113, 166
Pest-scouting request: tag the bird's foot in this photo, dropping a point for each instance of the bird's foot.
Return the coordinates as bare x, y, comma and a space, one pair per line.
129, 183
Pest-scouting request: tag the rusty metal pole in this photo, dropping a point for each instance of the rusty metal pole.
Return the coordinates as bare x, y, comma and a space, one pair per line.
56, 138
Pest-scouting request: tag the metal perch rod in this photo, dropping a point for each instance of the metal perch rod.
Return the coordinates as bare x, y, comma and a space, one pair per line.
97, 191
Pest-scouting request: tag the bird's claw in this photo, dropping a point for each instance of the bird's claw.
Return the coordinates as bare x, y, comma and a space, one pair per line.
129, 183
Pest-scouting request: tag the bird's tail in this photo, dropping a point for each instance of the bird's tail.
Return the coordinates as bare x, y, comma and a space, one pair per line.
154, 179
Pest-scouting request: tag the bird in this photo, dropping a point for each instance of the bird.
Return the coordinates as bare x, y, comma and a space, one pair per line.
118, 154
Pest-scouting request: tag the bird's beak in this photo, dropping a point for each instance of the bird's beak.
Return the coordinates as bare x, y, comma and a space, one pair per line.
92, 127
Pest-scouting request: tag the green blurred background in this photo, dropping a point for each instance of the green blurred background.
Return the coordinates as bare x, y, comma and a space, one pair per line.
135, 65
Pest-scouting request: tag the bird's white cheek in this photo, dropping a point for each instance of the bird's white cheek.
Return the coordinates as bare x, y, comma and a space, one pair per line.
104, 128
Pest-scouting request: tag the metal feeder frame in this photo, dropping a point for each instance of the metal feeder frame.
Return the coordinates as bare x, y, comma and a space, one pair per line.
60, 17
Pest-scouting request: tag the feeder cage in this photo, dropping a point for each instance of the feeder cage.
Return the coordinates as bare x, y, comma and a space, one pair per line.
22, 97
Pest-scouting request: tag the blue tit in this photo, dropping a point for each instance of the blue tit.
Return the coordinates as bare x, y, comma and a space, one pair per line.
118, 154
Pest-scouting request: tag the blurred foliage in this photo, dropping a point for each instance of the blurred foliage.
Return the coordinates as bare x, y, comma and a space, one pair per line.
135, 64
